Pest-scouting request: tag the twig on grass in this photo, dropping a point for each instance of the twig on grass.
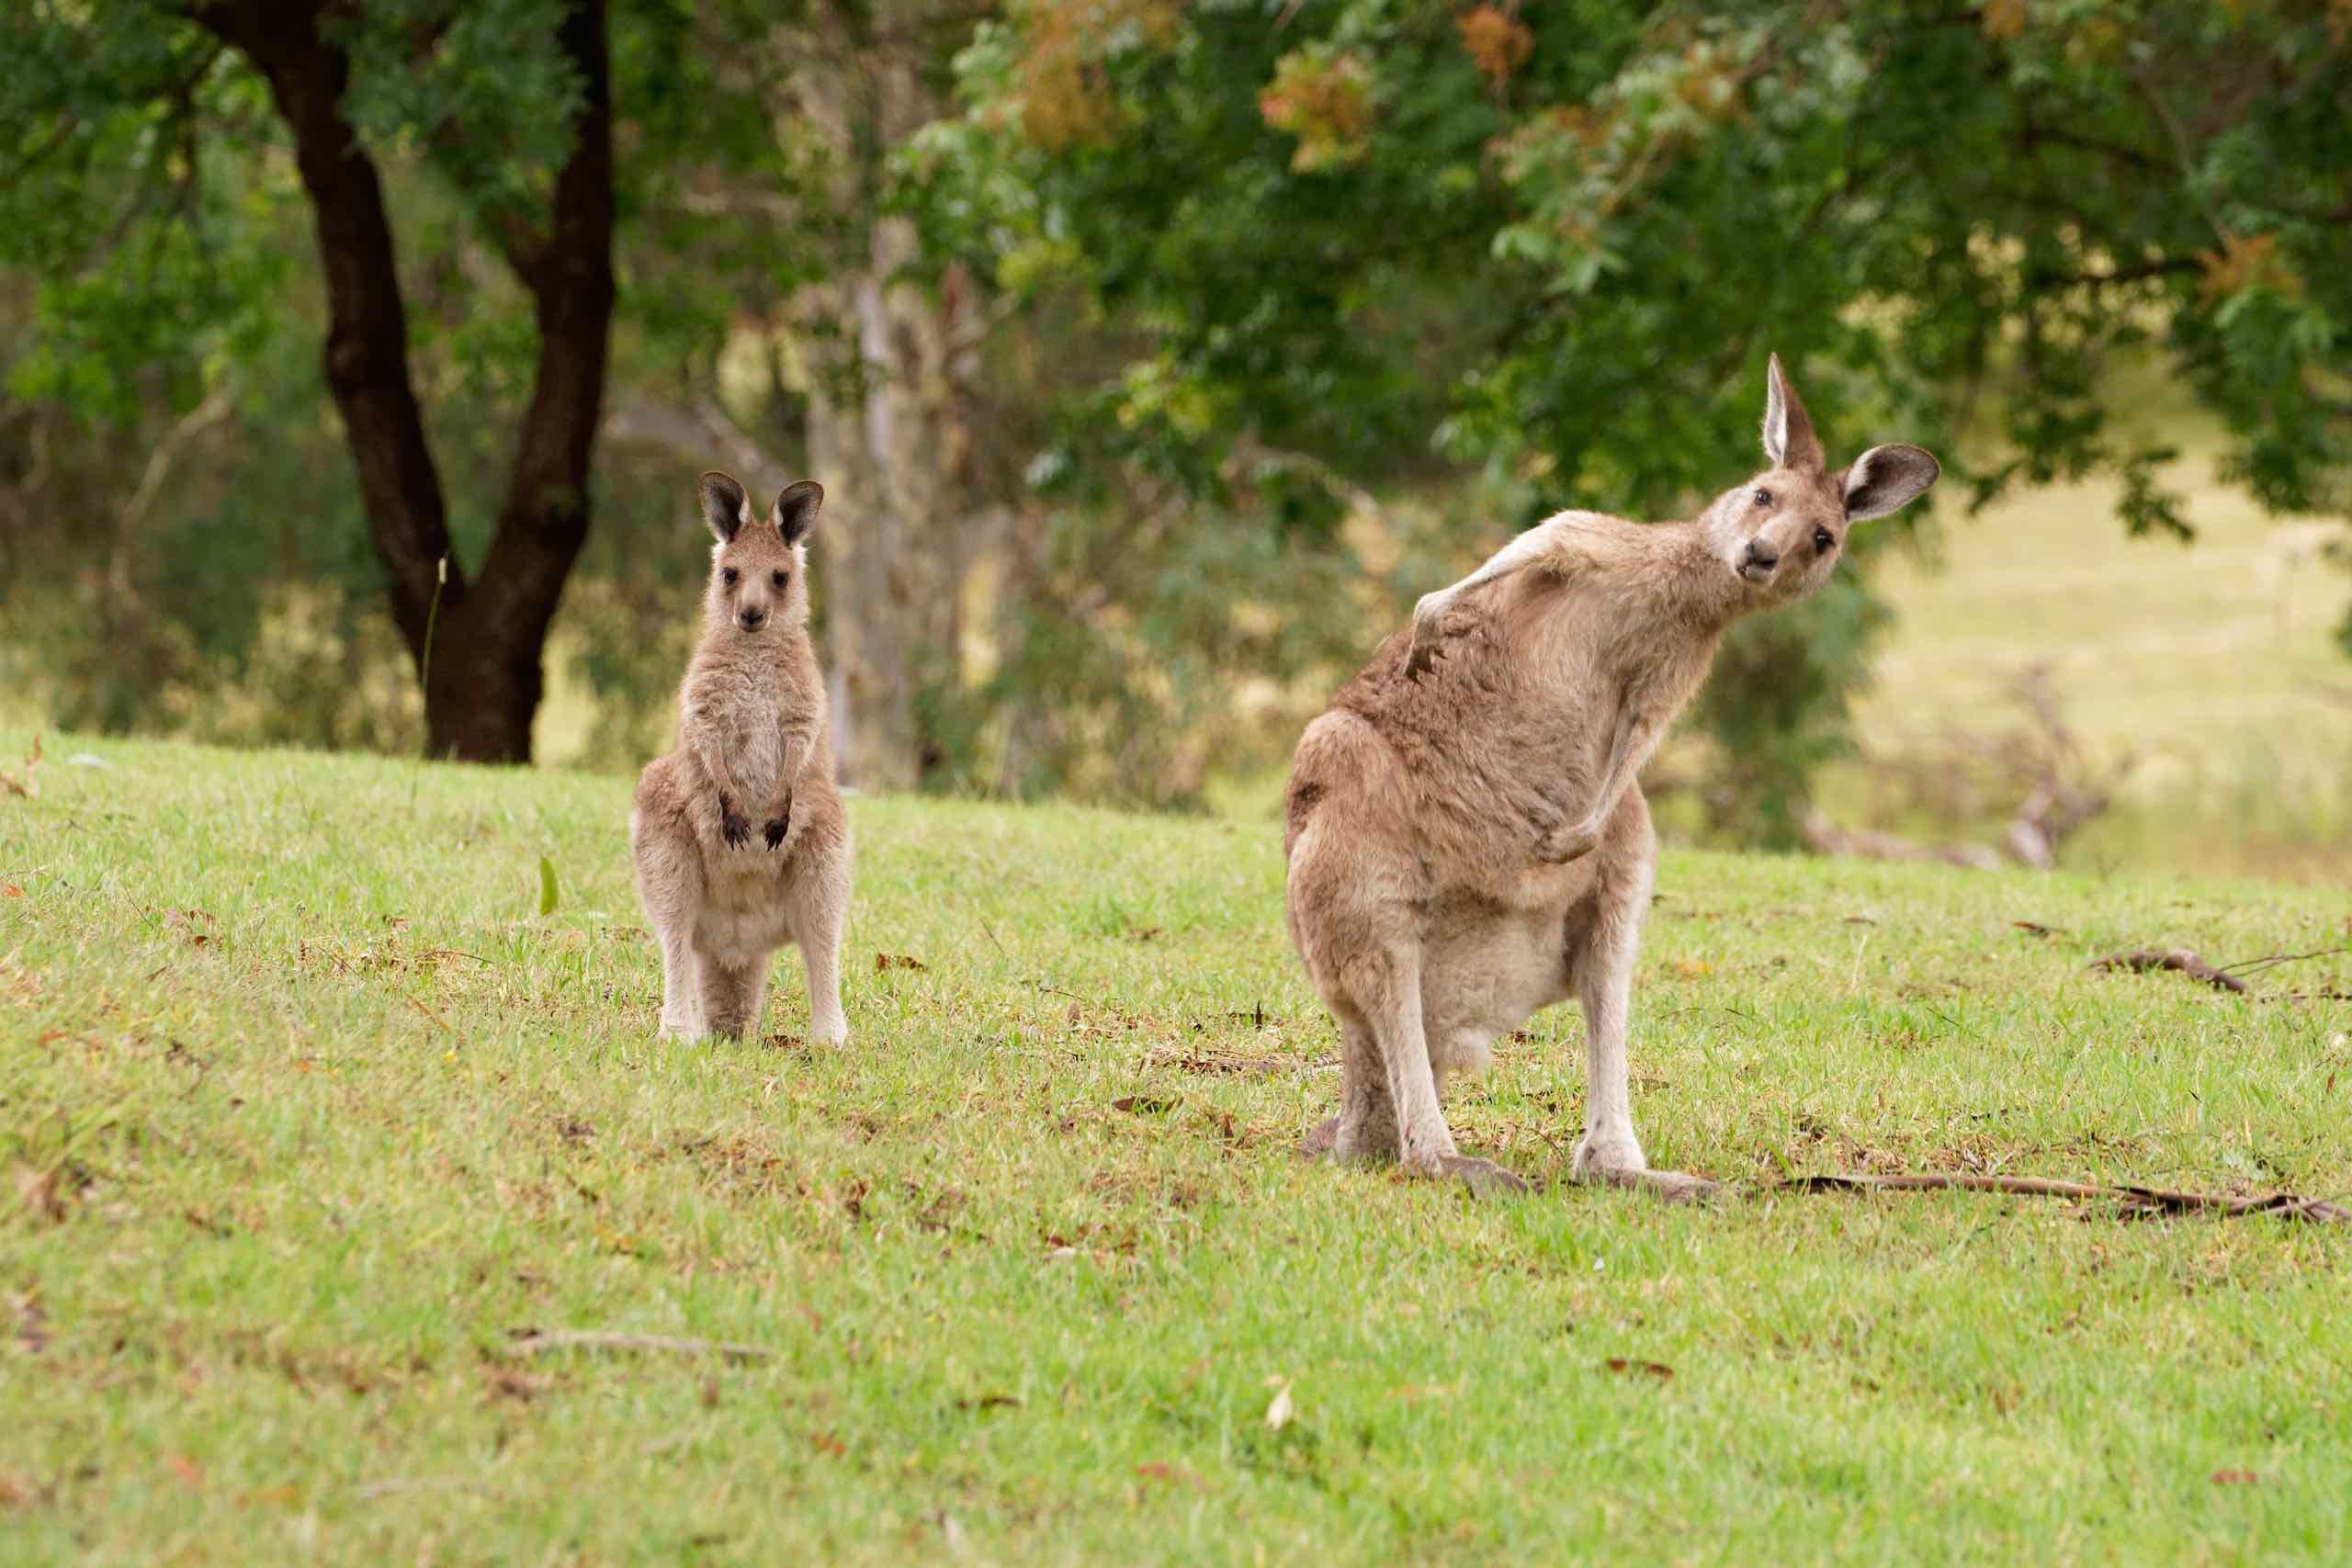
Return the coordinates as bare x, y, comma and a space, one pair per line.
2134, 1200
2255, 965
534, 1342
2190, 964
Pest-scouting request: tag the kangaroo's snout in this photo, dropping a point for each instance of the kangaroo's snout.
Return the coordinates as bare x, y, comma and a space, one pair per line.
751, 617
1757, 561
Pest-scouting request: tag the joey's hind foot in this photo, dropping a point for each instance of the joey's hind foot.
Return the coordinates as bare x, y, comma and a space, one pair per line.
1484, 1178
1322, 1142
1564, 844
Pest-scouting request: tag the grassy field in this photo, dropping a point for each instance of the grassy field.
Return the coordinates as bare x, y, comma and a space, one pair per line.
307, 1111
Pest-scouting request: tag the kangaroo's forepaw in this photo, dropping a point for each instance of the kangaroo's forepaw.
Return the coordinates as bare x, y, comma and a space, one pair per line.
733, 828
1484, 1178
774, 832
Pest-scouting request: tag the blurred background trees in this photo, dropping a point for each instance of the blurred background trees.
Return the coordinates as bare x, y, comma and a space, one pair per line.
1154, 354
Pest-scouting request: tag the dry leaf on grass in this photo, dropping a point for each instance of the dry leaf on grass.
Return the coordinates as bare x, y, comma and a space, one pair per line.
1658, 1370
897, 961
26, 787
1172, 1476
1145, 1104
1278, 1409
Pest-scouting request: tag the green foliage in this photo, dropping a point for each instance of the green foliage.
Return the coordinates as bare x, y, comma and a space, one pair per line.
1254, 271
1950, 223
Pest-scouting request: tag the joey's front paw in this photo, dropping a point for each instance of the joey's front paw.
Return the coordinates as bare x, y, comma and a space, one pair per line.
732, 825
1562, 845
775, 829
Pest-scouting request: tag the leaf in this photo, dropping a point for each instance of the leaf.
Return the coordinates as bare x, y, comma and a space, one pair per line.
2234, 1478
1172, 1476
1278, 1411
547, 885
1658, 1370
1145, 1104
883, 961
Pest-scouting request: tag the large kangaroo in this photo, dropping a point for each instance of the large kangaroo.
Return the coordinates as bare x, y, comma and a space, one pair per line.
1466, 840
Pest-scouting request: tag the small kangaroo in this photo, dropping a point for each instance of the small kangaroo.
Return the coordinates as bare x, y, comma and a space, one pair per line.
739, 835
1465, 838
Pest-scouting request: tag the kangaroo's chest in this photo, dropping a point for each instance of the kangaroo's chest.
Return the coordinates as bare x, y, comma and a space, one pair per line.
746, 706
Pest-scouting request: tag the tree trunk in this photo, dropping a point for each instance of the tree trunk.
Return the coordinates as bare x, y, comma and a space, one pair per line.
481, 670
886, 435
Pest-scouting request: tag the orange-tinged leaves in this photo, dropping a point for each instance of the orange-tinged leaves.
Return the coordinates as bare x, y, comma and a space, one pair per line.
1496, 42
2245, 262
1325, 100
1066, 97
2004, 18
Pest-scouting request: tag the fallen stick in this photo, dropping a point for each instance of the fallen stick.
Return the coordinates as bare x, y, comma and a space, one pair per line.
2190, 964
532, 1342
2139, 1200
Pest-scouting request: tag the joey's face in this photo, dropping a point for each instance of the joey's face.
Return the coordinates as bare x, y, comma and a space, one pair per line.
759, 566
756, 582
1781, 533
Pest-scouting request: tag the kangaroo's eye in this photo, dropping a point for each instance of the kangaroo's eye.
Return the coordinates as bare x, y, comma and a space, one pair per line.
1822, 541
729, 576
1763, 498
777, 578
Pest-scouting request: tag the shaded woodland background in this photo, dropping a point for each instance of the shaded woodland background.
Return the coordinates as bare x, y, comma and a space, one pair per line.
1156, 356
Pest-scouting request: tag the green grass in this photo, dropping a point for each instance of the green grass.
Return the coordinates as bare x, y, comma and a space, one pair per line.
307, 1110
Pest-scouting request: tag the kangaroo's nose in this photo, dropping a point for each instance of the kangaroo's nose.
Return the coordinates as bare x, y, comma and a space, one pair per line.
752, 618
1761, 554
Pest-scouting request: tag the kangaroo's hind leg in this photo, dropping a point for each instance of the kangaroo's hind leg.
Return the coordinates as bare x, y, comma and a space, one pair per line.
1366, 1124
730, 993
1604, 933
816, 909
670, 887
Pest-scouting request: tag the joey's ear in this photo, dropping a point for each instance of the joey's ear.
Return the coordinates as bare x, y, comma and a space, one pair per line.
724, 505
1789, 440
1885, 478
796, 510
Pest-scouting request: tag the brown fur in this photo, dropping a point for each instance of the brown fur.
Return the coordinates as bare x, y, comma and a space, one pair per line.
1465, 837
739, 835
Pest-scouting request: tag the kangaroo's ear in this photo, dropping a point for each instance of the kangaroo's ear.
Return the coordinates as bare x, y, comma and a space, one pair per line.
724, 505
1789, 440
1885, 478
796, 510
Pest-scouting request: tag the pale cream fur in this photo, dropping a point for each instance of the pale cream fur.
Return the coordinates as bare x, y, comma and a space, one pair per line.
1467, 842
739, 835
